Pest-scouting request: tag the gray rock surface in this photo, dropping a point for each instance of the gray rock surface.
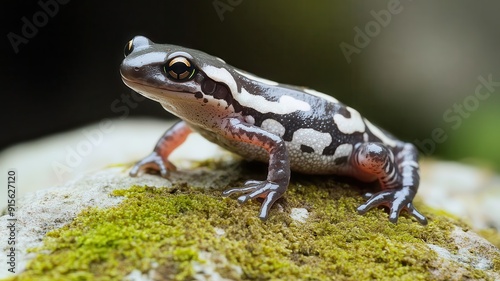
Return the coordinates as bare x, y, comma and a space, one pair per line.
43, 210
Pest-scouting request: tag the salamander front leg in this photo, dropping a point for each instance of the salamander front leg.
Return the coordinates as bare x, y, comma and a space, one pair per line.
158, 159
279, 166
398, 178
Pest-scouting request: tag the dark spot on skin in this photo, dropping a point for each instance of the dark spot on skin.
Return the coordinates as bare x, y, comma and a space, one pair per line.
218, 90
343, 111
306, 149
222, 93
205, 100
198, 95
339, 138
208, 86
340, 160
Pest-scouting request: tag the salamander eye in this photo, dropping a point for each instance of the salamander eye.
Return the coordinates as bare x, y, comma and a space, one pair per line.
179, 68
137, 43
129, 47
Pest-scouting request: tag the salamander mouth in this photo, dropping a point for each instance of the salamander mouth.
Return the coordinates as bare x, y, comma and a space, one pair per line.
132, 82
155, 93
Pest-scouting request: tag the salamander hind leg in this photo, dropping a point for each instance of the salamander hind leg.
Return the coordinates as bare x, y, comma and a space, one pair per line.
398, 176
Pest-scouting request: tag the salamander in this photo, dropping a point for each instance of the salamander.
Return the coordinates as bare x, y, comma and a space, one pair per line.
288, 127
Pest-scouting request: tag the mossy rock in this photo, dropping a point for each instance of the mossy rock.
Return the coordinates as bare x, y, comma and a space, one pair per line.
149, 228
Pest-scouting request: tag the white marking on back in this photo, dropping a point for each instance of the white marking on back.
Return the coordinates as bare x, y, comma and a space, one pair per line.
221, 75
258, 79
379, 134
273, 127
321, 95
349, 125
284, 105
221, 60
310, 137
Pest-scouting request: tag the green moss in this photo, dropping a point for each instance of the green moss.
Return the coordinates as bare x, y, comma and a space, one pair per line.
496, 264
168, 229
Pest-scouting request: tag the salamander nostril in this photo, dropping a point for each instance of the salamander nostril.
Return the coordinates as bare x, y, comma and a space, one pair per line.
136, 68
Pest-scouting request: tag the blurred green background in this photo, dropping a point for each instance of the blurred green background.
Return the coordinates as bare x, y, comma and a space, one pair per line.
412, 67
